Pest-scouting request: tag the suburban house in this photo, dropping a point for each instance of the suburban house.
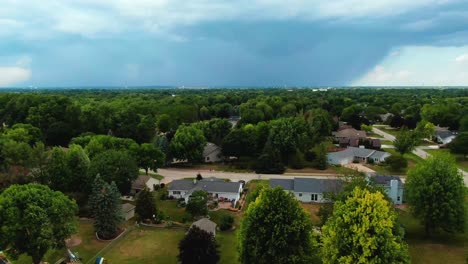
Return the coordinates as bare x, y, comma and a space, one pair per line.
350, 137
352, 154
216, 188
212, 153
386, 117
349, 133
392, 184
443, 135
205, 224
142, 182
309, 189
128, 211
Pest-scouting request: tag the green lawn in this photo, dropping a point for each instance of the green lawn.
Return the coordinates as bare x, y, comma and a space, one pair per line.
391, 131
442, 248
462, 163
228, 247
153, 175
169, 208
86, 250
147, 246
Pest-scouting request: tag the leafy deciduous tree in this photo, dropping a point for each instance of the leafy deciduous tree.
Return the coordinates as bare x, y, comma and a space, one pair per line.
188, 143
275, 229
435, 191
145, 205
363, 229
196, 205
198, 247
34, 219
150, 157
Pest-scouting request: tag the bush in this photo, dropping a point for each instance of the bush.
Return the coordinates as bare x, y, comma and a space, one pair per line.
165, 195
370, 161
396, 163
226, 222
162, 185
156, 187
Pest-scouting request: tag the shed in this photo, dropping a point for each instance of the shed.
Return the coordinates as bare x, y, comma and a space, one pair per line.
128, 211
205, 224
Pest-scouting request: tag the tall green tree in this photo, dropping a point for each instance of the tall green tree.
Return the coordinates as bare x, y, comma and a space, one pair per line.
78, 164
188, 143
58, 174
106, 208
145, 205
424, 129
460, 144
405, 142
115, 166
197, 204
198, 247
150, 157
435, 191
363, 229
275, 229
35, 219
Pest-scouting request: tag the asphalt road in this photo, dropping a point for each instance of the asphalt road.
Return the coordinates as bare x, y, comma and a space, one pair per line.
419, 151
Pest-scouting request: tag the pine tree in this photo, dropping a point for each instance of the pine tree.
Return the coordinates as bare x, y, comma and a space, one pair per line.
106, 208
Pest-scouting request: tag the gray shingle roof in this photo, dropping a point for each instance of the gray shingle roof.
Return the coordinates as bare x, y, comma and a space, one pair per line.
205, 185
310, 185
287, 184
385, 179
206, 225
358, 152
444, 133
140, 182
210, 148
126, 207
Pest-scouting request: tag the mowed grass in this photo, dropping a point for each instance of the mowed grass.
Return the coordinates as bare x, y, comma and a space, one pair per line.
88, 248
147, 246
169, 208
441, 248
461, 161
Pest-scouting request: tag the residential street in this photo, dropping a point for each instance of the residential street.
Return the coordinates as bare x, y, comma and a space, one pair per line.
419, 151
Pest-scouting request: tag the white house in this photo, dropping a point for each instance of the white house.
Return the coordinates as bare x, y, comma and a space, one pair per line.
212, 153
308, 189
392, 184
144, 181
356, 154
216, 188
444, 136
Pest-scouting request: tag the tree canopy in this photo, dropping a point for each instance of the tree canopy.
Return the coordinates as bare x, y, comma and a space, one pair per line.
275, 229
198, 247
435, 191
35, 219
363, 229
188, 143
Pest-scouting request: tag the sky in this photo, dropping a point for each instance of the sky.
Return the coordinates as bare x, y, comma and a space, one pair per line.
56, 43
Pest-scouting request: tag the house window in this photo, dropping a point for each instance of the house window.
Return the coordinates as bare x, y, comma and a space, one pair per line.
300, 195
314, 197
175, 192
207, 158
398, 198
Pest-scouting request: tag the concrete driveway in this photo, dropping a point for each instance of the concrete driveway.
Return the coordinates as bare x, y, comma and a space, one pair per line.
384, 134
358, 167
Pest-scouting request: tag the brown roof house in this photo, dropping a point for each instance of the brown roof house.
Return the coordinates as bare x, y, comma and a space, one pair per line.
206, 225
142, 182
349, 133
